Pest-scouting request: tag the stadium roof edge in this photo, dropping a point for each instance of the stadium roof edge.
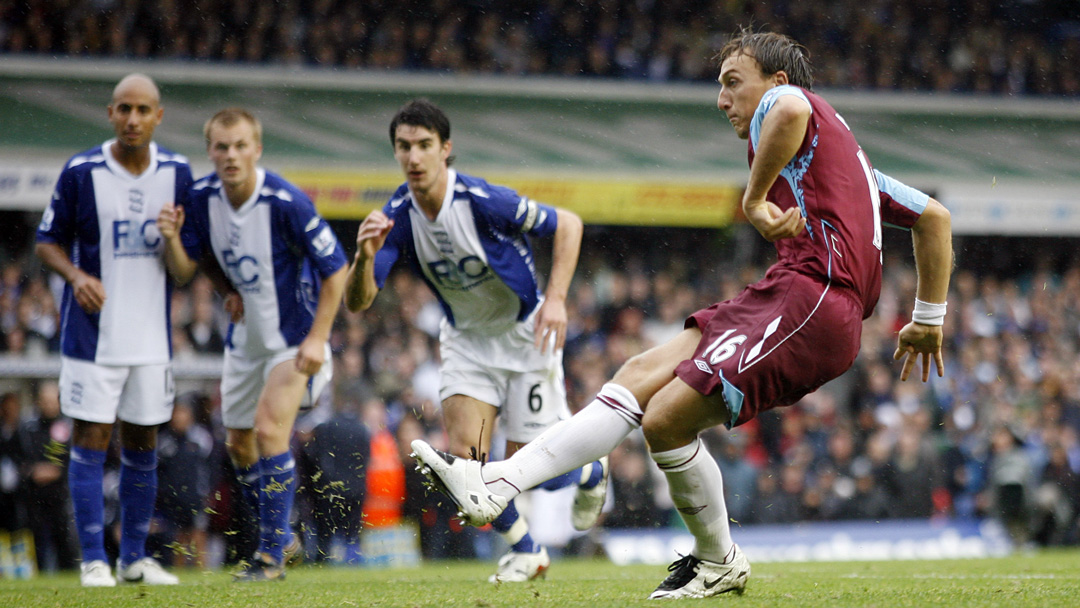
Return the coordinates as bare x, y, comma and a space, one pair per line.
549, 87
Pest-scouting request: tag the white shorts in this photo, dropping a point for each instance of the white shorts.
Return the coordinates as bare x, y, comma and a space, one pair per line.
506, 371
138, 394
243, 379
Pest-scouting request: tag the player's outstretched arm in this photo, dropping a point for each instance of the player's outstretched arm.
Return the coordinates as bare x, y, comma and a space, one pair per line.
88, 291
311, 353
551, 319
922, 338
169, 222
360, 285
782, 133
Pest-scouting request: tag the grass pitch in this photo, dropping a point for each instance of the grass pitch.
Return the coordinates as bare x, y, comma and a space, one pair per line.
1041, 580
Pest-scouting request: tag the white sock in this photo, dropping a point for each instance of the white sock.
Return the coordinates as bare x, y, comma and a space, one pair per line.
588, 435
697, 489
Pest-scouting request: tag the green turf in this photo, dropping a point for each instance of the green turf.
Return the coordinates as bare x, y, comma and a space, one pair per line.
1040, 580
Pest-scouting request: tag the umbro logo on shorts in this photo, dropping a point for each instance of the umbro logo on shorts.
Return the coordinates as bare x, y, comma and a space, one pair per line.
703, 366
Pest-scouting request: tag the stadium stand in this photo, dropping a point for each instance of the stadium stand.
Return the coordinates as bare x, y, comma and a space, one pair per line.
1015, 47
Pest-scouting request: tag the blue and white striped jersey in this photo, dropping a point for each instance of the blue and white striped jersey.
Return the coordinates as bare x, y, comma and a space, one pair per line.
275, 250
474, 255
107, 220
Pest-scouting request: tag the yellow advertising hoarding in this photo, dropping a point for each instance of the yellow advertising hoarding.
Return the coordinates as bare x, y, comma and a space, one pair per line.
625, 202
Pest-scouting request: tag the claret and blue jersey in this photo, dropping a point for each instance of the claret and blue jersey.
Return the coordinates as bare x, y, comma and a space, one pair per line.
844, 199
275, 250
474, 255
106, 218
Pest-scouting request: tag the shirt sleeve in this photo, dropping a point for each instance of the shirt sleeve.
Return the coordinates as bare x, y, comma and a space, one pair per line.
58, 222
388, 255
183, 185
901, 205
768, 100
195, 233
512, 213
314, 235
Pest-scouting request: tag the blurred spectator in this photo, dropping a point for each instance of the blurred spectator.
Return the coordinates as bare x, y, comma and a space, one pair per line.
740, 476
12, 509
385, 471
1009, 484
869, 501
11, 276
43, 465
633, 489
778, 498
912, 476
1057, 499
336, 458
184, 451
203, 331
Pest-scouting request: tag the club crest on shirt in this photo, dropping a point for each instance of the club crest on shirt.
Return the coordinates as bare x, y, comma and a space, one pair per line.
136, 200
234, 235
324, 242
47, 218
445, 244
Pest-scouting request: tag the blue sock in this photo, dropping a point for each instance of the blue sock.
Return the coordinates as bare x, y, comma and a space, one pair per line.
566, 479
85, 474
138, 491
250, 480
595, 476
514, 530
275, 503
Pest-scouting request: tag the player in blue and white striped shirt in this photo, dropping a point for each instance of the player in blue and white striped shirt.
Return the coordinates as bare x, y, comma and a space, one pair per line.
99, 233
501, 341
288, 271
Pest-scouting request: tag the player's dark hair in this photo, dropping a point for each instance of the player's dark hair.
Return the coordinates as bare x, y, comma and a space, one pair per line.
774, 53
422, 113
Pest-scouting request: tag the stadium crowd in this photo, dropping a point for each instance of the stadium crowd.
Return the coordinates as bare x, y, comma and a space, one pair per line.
1012, 47
997, 437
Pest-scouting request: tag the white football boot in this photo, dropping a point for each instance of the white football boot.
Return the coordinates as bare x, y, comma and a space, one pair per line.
693, 577
96, 573
589, 502
146, 571
462, 481
521, 567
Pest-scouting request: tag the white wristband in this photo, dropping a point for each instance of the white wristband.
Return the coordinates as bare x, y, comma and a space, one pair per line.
926, 313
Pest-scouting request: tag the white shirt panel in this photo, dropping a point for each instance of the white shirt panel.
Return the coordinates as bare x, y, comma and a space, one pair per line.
240, 239
454, 261
132, 328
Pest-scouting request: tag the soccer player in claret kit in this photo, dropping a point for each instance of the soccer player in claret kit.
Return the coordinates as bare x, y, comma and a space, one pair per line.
811, 191
99, 234
501, 341
288, 271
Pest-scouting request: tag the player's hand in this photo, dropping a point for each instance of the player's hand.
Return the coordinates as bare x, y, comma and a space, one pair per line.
920, 341
771, 222
372, 234
550, 321
234, 305
310, 356
170, 220
89, 292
